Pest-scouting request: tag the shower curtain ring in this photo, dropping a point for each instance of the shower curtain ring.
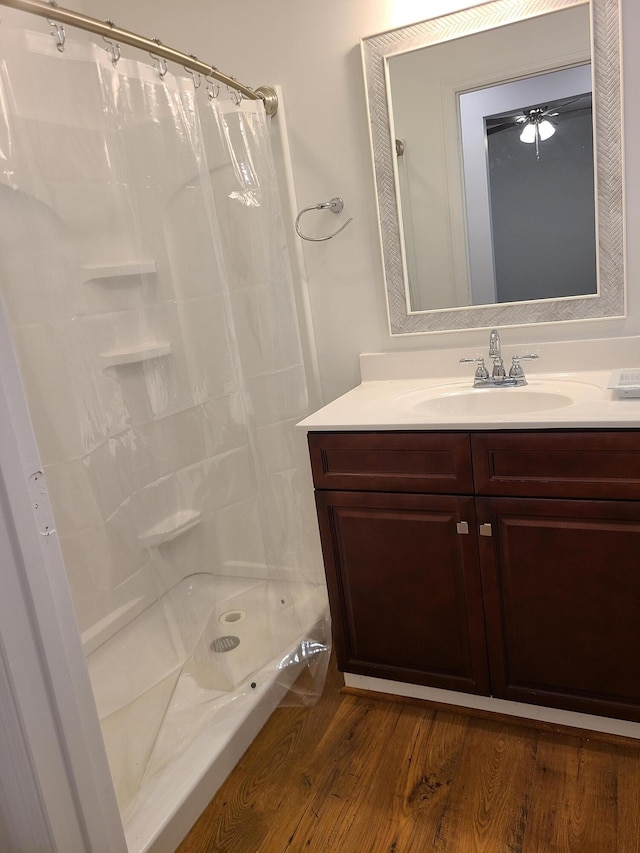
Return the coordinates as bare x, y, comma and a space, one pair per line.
197, 78
162, 62
236, 96
113, 48
213, 89
59, 34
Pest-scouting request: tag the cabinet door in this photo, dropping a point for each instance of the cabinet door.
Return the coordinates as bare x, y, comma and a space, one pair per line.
404, 587
561, 582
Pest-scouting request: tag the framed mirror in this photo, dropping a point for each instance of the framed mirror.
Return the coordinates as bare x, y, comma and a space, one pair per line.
497, 153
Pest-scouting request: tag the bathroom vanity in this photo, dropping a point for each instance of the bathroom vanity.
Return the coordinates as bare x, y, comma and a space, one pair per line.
487, 555
506, 564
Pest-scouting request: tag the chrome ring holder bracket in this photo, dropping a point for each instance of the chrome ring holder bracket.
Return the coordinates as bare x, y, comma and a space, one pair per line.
336, 206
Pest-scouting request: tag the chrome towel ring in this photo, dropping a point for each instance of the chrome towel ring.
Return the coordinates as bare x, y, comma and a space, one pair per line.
336, 205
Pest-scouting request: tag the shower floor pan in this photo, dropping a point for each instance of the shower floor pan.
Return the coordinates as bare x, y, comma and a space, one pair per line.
185, 687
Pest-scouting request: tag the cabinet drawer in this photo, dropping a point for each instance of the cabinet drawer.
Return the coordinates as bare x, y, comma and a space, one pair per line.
433, 462
568, 464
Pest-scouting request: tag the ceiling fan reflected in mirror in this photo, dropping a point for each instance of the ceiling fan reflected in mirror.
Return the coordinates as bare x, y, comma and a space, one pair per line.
536, 121
536, 125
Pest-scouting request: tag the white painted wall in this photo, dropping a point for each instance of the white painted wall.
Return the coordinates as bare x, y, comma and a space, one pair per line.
313, 51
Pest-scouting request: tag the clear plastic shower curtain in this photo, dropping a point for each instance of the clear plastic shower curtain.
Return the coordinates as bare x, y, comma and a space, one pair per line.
145, 277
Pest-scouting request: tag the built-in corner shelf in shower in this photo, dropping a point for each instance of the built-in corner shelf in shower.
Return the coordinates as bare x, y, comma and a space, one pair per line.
107, 272
170, 528
133, 355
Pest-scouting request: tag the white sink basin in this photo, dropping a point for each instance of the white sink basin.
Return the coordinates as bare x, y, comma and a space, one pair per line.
487, 401
464, 401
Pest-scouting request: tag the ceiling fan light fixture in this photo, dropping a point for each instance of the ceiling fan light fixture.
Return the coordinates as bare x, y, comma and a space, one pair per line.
546, 129
528, 132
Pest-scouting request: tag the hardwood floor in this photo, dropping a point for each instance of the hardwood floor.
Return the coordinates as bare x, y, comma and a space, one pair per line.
357, 774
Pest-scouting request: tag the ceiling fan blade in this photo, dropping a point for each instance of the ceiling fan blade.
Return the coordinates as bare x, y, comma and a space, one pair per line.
561, 108
504, 125
581, 112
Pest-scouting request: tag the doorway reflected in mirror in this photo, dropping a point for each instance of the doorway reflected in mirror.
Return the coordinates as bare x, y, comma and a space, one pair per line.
529, 188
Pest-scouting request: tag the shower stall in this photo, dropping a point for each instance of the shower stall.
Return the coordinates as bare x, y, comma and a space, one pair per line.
147, 290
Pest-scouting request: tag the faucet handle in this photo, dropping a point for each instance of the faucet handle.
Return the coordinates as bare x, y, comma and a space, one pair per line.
481, 370
516, 370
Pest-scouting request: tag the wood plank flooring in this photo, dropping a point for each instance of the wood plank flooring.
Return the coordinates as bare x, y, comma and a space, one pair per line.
361, 774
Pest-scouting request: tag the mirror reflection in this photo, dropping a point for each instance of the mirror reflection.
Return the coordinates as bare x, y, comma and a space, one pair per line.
486, 216
529, 191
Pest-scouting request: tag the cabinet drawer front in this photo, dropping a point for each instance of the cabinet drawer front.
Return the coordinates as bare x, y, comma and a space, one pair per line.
569, 464
392, 462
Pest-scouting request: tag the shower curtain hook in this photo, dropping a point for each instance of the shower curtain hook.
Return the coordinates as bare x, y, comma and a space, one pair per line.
197, 78
236, 96
213, 89
113, 47
58, 33
58, 30
162, 62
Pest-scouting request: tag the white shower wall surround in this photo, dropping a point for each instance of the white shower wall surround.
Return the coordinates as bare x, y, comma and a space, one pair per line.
146, 281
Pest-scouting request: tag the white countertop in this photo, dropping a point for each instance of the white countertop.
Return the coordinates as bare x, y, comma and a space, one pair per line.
572, 400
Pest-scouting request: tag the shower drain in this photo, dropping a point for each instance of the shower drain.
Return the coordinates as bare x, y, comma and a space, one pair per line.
224, 644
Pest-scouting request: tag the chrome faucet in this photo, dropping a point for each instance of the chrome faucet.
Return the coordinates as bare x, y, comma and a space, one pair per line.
498, 378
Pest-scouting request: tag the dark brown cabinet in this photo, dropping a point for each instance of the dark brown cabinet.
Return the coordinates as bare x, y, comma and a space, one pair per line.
538, 602
396, 516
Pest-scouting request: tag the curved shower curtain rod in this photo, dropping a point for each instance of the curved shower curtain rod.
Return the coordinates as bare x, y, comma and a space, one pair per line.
108, 30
